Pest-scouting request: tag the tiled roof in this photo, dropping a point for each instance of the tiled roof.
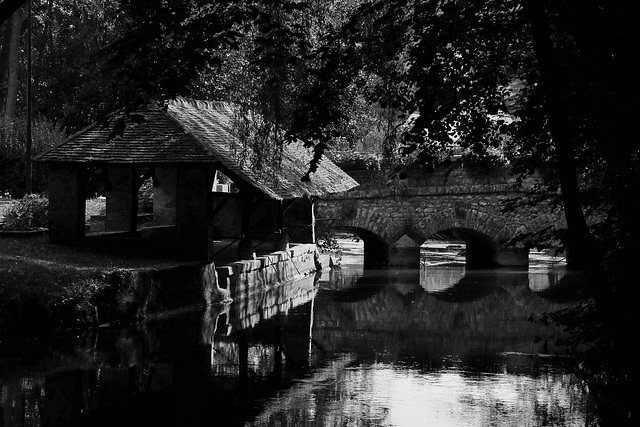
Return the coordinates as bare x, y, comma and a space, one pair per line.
199, 132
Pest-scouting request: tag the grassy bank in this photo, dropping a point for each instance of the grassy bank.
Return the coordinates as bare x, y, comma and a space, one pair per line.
45, 286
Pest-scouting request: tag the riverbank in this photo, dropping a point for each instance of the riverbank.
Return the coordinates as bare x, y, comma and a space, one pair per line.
46, 287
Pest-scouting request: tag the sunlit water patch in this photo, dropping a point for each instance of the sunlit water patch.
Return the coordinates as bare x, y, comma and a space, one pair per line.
380, 394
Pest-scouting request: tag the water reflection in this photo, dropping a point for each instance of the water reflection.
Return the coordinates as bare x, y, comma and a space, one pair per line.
455, 282
437, 346
382, 395
374, 318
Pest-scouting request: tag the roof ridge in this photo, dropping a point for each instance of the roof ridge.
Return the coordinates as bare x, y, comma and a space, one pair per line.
201, 103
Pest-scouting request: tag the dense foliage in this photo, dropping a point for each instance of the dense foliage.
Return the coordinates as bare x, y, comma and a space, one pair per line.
12, 154
266, 56
69, 86
27, 214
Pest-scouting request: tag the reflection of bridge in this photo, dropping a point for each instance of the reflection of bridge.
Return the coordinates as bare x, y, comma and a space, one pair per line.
457, 284
394, 217
470, 313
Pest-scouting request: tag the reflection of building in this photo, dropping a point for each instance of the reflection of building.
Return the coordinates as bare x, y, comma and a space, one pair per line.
258, 338
245, 313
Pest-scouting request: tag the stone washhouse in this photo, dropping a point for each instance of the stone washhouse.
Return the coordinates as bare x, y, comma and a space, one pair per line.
183, 145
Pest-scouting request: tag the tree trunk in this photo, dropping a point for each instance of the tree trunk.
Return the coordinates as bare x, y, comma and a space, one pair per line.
9, 63
615, 310
582, 245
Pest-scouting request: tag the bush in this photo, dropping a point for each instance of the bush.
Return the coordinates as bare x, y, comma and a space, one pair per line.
145, 197
95, 206
29, 213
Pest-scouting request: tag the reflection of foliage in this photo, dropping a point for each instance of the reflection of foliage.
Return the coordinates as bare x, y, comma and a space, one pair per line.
29, 213
78, 300
594, 359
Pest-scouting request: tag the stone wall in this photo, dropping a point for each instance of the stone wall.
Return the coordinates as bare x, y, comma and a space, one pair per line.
243, 279
145, 293
248, 312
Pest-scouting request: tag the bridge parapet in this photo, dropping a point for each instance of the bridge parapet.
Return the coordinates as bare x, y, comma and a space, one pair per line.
364, 192
454, 179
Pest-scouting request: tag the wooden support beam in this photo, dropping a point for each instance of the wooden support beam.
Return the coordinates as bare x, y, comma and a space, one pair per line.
284, 205
220, 206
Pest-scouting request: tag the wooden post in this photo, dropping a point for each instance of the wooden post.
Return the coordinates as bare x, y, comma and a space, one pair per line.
245, 247
195, 227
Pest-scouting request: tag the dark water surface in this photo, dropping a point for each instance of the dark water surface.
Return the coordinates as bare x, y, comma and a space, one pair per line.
436, 346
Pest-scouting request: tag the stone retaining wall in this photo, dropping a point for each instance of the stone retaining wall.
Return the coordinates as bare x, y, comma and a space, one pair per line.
145, 293
242, 279
248, 312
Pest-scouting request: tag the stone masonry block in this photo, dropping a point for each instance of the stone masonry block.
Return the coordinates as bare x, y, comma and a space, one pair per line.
240, 267
281, 255
253, 264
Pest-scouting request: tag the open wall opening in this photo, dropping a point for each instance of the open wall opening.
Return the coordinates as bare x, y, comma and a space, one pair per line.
96, 202
223, 184
457, 245
359, 246
144, 202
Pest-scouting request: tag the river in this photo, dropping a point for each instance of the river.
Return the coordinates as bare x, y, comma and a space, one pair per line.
435, 346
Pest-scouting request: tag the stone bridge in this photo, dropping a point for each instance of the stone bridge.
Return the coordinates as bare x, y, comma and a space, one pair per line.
394, 217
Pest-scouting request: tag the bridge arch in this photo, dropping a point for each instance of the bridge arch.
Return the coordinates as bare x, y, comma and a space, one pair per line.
481, 250
376, 249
